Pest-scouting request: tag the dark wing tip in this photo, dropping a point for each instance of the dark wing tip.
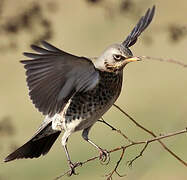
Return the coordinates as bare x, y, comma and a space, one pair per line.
50, 47
23, 61
9, 158
30, 55
41, 52
153, 8
6, 159
142, 24
44, 51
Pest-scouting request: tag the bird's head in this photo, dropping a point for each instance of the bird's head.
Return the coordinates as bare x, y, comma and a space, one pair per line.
117, 56
114, 58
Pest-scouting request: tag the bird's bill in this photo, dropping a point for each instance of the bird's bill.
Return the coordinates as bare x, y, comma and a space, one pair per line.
122, 64
133, 59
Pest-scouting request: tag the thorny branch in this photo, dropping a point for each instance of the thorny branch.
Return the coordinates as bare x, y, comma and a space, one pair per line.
123, 149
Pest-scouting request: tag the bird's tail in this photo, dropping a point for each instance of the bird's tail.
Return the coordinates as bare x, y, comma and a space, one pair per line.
39, 144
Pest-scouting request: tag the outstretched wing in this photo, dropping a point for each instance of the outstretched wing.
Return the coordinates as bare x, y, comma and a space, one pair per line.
54, 76
139, 28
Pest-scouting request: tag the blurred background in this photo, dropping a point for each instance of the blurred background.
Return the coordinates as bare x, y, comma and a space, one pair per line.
154, 92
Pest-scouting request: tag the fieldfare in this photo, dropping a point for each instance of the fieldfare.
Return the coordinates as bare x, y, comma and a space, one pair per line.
74, 92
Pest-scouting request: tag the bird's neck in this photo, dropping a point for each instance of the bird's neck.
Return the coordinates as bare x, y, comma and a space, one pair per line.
98, 63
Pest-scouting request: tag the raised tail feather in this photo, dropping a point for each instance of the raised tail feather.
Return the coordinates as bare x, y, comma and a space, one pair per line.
36, 146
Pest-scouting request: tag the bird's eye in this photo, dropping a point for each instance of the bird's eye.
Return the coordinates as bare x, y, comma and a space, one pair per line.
117, 57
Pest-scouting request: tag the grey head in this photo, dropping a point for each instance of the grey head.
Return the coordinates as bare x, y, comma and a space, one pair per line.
117, 56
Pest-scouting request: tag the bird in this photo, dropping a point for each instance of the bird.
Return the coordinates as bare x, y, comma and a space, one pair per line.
74, 92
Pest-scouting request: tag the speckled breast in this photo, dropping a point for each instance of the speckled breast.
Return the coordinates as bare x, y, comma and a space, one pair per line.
91, 105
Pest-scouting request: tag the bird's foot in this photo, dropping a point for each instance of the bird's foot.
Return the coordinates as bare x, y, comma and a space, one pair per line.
104, 156
72, 168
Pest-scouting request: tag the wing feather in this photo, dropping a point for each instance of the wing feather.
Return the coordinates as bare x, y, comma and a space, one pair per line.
139, 28
54, 76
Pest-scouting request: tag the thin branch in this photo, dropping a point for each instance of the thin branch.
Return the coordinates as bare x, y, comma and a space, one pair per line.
116, 130
109, 176
164, 60
103, 121
151, 133
150, 140
123, 148
138, 156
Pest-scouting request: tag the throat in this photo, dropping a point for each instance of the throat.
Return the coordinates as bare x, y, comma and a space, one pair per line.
111, 80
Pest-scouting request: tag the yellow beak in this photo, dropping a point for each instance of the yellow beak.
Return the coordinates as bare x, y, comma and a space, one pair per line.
133, 59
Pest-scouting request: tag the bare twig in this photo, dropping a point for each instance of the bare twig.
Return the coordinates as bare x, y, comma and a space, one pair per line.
116, 130
141, 154
155, 139
103, 121
123, 148
164, 60
151, 133
109, 176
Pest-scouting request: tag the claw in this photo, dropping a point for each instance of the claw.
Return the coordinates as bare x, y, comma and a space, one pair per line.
72, 168
104, 156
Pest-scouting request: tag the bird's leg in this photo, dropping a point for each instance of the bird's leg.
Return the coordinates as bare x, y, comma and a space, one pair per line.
64, 144
104, 155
